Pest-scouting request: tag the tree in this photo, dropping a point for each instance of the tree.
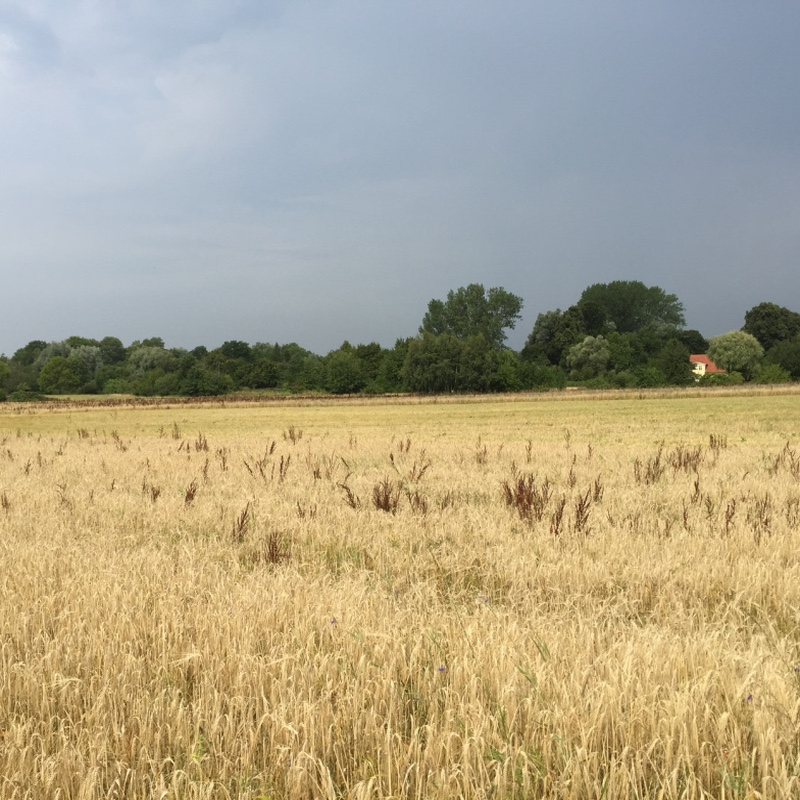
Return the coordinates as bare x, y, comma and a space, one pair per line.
554, 332
473, 311
589, 358
432, 363
112, 350
264, 374
541, 340
736, 351
673, 363
5, 374
773, 373
146, 357
344, 372
692, 339
390, 373
594, 317
235, 349
786, 355
771, 324
26, 356
630, 305
87, 359
59, 376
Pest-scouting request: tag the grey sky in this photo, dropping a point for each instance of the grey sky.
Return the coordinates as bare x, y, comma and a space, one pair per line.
315, 171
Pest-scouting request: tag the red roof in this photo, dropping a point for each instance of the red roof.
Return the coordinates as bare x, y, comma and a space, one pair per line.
701, 358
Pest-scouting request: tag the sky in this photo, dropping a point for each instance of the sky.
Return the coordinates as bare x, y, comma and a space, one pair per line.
317, 171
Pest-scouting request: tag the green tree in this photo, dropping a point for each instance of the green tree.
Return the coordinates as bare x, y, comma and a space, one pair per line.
478, 362
554, 332
344, 372
693, 340
589, 358
432, 363
235, 349
541, 340
5, 374
59, 376
630, 305
507, 374
786, 355
144, 358
198, 381
112, 350
473, 311
771, 324
390, 372
673, 363
736, 351
50, 351
594, 317
26, 356
264, 374
81, 341
773, 373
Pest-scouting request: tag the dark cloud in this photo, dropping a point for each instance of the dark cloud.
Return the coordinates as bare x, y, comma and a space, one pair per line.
319, 171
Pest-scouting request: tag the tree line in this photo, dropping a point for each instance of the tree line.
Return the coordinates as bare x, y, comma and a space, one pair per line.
618, 334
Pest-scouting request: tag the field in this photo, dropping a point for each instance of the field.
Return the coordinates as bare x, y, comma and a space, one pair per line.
509, 597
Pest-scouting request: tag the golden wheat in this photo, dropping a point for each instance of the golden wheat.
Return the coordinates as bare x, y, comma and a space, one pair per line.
479, 597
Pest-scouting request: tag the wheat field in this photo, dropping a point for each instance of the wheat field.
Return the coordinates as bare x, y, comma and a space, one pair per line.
507, 597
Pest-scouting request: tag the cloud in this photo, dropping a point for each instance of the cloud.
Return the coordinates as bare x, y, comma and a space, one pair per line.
340, 164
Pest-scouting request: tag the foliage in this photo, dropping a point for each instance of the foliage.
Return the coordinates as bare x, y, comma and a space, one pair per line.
771, 324
344, 372
236, 349
722, 379
200, 381
589, 358
621, 334
736, 351
145, 358
631, 306
26, 356
673, 363
787, 355
693, 340
473, 311
772, 373
432, 363
60, 376
390, 372
112, 350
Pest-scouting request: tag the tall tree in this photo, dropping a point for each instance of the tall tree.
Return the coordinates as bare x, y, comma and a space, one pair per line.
787, 355
474, 311
673, 361
630, 305
771, 324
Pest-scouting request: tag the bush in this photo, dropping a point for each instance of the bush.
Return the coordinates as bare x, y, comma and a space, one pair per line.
24, 395
537, 376
650, 378
116, 386
773, 373
722, 379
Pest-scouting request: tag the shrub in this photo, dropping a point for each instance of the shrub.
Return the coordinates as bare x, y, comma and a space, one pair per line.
773, 373
722, 379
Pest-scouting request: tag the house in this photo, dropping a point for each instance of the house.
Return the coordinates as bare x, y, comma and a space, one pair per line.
703, 365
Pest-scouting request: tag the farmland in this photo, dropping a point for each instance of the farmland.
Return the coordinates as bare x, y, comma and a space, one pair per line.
567, 596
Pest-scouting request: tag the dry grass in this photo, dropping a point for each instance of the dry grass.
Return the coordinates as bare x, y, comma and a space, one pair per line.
505, 598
